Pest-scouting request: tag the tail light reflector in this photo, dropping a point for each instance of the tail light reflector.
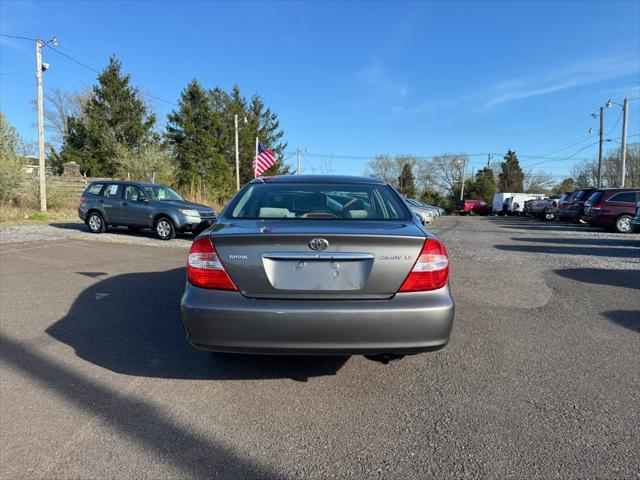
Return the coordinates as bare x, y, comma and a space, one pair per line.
431, 270
204, 268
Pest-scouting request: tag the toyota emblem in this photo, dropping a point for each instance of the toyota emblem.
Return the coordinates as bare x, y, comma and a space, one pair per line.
318, 244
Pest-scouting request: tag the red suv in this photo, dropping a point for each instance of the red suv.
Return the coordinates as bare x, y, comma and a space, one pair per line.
473, 207
612, 208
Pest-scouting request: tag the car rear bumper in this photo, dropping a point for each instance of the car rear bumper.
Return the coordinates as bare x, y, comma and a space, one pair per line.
635, 226
229, 322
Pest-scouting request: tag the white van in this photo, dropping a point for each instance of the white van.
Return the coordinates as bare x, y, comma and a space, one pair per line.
516, 203
498, 201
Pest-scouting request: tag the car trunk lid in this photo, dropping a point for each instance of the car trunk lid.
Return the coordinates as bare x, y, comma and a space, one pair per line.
302, 259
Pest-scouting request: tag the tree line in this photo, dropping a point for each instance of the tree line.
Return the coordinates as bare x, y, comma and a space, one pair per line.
110, 131
437, 181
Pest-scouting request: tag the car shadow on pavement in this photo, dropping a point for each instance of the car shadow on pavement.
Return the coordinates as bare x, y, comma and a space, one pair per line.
600, 276
604, 242
630, 279
525, 223
196, 455
625, 318
564, 250
131, 324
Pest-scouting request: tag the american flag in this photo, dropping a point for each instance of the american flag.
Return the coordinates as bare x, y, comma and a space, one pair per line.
265, 160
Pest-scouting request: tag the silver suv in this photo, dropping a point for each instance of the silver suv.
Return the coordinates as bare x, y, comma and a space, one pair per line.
139, 205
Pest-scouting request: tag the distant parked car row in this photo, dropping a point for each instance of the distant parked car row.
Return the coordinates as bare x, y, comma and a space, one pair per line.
426, 213
610, 208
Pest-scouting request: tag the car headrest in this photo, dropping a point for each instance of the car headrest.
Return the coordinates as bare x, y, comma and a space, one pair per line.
357, 213
271, 212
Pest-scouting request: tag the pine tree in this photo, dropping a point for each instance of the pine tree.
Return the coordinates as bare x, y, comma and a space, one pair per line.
406, 182
483, 186
198, 141
254, 120
511, 178
115, 118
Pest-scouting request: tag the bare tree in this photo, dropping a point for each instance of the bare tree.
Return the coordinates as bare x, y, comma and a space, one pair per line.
389, 169
448, 171
59, 105
324, 168
540, 182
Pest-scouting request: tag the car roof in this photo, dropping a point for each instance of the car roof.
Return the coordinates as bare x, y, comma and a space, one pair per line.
318, 179
128, 182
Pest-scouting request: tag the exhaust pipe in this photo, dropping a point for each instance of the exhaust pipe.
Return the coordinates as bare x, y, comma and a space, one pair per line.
385, 358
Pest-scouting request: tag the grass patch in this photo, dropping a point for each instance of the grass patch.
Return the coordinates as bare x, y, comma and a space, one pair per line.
12, 215
37, 217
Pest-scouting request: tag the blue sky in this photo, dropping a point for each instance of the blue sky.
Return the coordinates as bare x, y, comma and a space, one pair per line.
358, 79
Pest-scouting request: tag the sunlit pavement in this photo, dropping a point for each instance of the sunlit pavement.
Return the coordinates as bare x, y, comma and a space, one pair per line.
540, 380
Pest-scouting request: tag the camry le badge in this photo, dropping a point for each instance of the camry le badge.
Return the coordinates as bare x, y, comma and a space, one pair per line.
318, 244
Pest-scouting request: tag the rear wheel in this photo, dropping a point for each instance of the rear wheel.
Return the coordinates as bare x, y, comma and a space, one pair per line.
164, 228
95, 223
623, 224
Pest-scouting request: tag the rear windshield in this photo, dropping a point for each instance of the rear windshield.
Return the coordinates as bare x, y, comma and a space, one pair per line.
583, 195
319, 201
595, 197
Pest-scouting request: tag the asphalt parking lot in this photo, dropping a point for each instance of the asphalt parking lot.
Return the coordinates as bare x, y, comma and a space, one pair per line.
540, 380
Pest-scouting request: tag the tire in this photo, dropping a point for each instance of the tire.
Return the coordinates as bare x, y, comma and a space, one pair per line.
95, 223
472, 212
623, 224
164, 228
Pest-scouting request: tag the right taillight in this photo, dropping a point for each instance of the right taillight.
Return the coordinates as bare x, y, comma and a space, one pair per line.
204, 268
431, 270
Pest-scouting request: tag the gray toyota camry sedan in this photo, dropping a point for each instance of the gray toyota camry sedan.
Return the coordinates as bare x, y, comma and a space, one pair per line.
318, 265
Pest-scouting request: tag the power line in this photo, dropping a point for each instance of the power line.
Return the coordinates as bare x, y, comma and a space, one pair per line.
615, 125
73, 59
17, 37
82, 64
553, 134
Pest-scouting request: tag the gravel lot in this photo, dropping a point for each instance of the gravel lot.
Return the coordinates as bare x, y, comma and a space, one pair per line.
78, 231
540, 380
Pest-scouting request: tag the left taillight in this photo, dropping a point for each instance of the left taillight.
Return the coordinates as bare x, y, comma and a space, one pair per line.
82, 199
204, 268
431, 270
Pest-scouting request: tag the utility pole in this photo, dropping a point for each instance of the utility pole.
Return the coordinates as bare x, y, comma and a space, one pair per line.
464, 165
488, 160
298, 157
623, 141
41, 167
237, 155
600, 148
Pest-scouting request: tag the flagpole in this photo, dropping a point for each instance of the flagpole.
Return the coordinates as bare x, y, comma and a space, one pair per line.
254, 158
237, 157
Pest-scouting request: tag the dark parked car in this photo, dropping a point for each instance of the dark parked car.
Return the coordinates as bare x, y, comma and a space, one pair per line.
318, 265
139, 205
612, 208
573, 210
473, 207
635, 221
